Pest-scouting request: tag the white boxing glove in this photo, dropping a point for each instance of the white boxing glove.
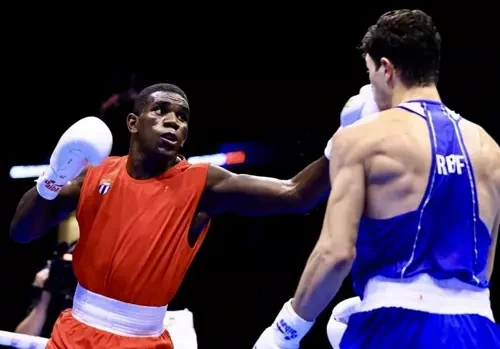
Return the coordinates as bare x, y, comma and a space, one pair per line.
179, 324
328, 149
359, 106
356, 108
89, 140
286, 332
337, 324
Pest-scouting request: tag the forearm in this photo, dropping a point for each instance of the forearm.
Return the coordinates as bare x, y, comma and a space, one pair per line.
34, 217
32, 325
323, 275
311, 185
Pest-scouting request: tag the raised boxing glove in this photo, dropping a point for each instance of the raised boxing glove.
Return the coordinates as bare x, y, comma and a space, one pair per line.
88, 141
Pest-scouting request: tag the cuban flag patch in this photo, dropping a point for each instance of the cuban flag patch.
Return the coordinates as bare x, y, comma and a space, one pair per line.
104, 186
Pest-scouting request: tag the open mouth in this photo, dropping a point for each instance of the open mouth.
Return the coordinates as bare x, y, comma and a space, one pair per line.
170, 136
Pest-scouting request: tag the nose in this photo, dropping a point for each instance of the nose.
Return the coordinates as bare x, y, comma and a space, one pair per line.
170, 120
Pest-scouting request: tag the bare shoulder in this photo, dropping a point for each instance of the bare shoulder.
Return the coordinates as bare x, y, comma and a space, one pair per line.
488, 143
361, 138
216, 175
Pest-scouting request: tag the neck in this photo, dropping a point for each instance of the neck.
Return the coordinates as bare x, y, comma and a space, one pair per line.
403, 94
146, 165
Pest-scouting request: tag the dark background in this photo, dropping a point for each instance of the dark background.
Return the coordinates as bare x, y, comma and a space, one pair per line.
248, 267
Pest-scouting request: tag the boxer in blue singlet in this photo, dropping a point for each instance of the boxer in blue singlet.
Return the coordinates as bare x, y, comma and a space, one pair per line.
414, 211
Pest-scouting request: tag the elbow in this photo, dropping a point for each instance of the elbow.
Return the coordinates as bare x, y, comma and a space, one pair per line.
297, 201
339, 259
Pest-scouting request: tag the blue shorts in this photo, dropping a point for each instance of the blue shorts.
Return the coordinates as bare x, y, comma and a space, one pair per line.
410, 329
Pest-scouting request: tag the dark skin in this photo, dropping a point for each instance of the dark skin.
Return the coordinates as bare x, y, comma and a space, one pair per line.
157, 136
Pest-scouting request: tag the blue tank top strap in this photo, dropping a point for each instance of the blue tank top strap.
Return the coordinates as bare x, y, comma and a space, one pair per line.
442, 119
455, 119
415, 108
419, 107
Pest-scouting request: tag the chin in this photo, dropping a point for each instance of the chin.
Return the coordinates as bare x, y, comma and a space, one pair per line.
169, 153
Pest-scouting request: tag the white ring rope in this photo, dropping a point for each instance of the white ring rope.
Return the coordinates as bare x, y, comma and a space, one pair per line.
22, 341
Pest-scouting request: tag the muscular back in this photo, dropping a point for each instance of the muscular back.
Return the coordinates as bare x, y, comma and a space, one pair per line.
396, 146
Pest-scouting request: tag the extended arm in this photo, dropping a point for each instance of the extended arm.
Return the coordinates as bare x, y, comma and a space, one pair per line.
228, 192
252, 195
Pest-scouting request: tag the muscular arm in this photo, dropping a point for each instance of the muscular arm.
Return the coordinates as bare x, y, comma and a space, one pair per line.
332, 258
227, 192
35, 216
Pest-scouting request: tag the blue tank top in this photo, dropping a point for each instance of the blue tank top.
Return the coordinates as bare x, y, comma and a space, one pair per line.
444, 237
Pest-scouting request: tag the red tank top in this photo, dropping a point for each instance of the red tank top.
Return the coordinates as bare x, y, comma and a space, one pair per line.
133, 243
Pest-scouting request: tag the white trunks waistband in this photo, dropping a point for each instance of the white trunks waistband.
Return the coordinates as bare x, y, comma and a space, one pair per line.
117, 317
424, 293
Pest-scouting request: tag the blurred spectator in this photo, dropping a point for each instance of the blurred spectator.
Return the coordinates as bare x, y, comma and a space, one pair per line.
126, 94
53, 289
114, 109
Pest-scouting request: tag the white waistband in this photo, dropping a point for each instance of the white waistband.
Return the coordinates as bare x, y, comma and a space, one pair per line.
424, 293
117, 317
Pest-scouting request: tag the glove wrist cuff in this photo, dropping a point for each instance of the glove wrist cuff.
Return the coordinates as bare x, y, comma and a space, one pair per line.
290, 327
49, 184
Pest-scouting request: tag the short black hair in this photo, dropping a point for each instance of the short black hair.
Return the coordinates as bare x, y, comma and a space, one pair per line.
143, 97
410, 40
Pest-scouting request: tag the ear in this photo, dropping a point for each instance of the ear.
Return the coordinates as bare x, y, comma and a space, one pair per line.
389, 70
132, 122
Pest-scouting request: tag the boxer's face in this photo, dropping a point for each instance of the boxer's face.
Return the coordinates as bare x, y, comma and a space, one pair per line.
381, 80
162, 126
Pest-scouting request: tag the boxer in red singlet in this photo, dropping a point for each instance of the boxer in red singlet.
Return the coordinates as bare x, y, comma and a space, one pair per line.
142, 218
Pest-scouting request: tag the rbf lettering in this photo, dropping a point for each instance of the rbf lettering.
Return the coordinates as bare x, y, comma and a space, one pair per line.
450, 164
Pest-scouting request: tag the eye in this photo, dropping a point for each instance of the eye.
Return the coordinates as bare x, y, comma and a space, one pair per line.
160, 110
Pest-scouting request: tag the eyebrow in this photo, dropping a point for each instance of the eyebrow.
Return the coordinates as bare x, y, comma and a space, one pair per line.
184, 108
